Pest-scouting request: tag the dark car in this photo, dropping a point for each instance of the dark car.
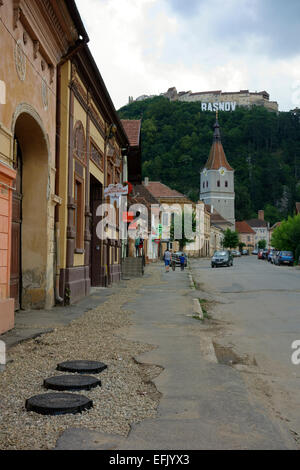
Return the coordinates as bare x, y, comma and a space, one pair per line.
284, 257
222, 258
265, 254
176, 257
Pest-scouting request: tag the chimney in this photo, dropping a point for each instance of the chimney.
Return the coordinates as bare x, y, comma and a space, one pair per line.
146, 182
261, 215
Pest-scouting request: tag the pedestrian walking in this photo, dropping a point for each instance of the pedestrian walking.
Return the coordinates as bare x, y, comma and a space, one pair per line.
167, 259
182, 261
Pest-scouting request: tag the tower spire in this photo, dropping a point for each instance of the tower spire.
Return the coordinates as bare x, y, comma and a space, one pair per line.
217, 157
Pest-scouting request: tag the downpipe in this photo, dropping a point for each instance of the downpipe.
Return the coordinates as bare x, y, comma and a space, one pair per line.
58, 300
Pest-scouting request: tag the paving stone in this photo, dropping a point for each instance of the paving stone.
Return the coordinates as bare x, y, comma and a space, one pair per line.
58, 403
71, 382
93, 367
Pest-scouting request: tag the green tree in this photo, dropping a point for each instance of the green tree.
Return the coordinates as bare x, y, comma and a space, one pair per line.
241, 246
231, 239
262, 244
287, 235
272, 214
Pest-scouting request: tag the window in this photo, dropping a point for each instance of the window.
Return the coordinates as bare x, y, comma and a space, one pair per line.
203, 184
218, 183
226, 184
78, 213
207, 184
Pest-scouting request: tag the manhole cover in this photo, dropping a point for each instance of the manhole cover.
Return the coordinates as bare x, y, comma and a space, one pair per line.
71, 382
93, 367
58, 403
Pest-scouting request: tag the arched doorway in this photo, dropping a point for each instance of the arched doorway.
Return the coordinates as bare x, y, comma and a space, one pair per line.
29, 273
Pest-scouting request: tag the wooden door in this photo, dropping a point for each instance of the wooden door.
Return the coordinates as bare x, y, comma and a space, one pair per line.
15, 270
96, 248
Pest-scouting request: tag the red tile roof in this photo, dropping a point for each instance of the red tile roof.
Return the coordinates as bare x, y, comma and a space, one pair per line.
243, 227
158, 189
132, 128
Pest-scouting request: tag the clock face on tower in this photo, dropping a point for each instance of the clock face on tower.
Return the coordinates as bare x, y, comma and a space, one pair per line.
222, 171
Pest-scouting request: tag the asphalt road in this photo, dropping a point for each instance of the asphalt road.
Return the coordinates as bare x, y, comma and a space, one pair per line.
257, 305
227, 382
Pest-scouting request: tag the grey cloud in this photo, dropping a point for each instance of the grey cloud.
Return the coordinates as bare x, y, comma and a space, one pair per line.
269, 27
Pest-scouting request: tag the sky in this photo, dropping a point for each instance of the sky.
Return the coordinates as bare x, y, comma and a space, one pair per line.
147, 46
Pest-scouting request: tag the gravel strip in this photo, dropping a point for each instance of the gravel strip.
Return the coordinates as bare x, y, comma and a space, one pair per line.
126, 395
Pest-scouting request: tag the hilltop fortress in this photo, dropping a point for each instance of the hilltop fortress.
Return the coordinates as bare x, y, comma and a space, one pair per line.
218, 100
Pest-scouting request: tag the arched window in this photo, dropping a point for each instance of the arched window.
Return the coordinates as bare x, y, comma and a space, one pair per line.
226, 184
207, 184
218, 183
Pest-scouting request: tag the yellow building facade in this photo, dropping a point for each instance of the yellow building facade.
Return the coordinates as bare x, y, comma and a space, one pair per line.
91, 139
33, 38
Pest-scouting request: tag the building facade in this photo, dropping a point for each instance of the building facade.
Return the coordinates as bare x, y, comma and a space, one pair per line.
217, 180
246, 235
225, 101
34, 37
90, 159
261, 229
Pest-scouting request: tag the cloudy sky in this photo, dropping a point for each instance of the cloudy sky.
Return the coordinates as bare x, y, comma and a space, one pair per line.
148, 46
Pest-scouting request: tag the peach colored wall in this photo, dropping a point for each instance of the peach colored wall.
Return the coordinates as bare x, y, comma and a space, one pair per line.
7, 176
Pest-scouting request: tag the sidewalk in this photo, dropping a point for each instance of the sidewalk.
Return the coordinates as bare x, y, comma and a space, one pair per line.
32, 323
204, 404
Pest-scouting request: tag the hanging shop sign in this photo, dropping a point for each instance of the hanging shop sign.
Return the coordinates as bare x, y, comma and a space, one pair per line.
115, 190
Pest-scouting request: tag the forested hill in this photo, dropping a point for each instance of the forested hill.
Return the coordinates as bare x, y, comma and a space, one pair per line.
262, 147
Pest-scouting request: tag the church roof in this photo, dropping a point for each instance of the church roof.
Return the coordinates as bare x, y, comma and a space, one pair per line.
217, 157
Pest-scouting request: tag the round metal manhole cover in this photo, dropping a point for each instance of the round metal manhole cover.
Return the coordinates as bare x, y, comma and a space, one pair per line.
71, 382
82, 367
58, 403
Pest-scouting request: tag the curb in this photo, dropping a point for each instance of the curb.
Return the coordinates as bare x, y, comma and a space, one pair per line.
198, 309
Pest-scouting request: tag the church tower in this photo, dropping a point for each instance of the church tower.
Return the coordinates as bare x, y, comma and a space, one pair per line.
217, 180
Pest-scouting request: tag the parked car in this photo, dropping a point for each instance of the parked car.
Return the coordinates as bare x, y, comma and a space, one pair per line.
255, 252
222, 258
265, 254
245, 252
260, 254
236, 253
284, 257
177, 255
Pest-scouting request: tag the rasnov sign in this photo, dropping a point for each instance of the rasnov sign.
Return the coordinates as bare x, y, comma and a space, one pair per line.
221, 106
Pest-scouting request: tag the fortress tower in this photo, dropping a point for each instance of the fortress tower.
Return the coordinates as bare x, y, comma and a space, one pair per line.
217, 180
